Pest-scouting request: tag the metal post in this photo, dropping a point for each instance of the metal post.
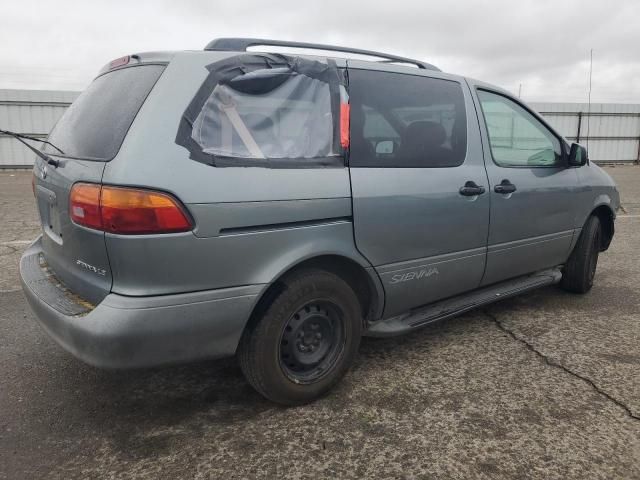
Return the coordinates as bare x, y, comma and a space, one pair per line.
579, 126
589, 111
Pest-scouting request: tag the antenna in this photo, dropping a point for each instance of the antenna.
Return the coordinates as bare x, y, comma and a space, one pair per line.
519, 90
589, 105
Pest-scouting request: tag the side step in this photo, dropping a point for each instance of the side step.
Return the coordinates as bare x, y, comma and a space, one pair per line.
450, 307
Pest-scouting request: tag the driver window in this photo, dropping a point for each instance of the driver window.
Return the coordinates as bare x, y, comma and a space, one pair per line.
516, 137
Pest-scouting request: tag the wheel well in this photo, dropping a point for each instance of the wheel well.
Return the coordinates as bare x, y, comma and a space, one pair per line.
605, 215
350, 271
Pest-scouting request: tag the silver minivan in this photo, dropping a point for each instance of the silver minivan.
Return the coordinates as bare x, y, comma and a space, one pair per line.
277, 207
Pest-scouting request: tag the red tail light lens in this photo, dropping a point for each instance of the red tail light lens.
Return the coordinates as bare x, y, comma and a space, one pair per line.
84, 205
127, 211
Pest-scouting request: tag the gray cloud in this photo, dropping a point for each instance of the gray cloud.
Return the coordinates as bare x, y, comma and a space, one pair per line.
543, 45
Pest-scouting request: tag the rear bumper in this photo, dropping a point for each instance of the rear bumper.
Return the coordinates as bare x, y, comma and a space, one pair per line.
131, 332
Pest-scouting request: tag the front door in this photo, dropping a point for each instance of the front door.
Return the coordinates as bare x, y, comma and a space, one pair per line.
533, 191
420, 190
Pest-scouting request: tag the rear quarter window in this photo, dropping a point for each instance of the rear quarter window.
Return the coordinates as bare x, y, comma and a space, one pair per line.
266, 110
293, 120
95, 125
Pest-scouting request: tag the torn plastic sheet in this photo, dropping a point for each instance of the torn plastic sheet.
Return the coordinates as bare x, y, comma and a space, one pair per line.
265, 110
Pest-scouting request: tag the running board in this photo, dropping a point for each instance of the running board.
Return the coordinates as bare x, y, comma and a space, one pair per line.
450, 307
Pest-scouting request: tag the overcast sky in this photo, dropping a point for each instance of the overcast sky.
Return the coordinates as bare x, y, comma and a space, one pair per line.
543, 45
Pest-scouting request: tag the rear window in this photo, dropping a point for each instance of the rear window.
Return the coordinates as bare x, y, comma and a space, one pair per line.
95, 125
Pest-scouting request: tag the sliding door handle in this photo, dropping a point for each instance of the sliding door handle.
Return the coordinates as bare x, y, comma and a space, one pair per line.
471, 189
504, 187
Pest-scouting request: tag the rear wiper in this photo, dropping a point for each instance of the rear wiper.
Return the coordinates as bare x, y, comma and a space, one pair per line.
21, 138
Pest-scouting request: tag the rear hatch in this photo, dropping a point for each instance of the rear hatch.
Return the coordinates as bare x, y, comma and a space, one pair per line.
90, 133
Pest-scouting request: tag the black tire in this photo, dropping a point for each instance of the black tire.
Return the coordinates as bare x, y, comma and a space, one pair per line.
580, 269
276, 352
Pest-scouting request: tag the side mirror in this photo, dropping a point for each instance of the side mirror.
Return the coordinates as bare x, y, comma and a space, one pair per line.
578, 155
385, 147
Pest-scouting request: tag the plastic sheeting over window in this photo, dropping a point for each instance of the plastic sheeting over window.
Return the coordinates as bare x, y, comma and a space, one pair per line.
284, 115
292, 121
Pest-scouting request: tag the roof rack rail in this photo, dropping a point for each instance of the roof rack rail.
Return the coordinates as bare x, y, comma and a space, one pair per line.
241, 45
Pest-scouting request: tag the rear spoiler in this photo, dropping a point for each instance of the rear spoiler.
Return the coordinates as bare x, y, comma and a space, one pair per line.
147, 58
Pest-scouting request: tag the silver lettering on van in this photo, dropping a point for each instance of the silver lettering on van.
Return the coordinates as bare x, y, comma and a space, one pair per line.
415, 275
91, 268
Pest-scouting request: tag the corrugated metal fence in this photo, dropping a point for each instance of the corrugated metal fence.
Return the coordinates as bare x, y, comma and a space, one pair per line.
610, 131
32, 112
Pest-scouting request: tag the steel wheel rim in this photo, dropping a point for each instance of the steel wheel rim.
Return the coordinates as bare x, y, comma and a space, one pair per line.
311, 341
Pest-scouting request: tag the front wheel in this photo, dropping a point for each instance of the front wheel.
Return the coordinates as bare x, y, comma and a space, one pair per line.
580, 269
305, 340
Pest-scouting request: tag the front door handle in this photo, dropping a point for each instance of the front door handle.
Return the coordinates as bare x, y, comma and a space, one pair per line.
505, 186
470, 189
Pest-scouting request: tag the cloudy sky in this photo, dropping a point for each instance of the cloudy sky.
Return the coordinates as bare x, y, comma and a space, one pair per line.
542, 45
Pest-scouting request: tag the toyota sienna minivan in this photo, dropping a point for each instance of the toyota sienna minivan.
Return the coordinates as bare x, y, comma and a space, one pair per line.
203, 204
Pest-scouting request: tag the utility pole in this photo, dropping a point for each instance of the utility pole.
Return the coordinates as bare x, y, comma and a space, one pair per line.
589, 104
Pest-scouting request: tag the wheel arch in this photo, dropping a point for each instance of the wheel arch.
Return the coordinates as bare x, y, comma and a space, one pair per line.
606, 216
363, 279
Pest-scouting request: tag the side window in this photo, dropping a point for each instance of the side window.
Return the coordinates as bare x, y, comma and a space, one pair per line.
292, 120
517, 138
400, 120
267, 110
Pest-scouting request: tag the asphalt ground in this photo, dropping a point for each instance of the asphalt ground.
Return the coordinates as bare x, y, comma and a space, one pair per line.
546, 385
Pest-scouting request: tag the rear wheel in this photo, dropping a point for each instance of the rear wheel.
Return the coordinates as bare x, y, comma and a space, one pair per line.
580, 270
305, 340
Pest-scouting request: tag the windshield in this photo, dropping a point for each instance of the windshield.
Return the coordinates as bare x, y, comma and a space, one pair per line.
95, 125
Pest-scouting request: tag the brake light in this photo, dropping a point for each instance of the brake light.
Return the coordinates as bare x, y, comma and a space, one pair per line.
127, 211
345, 113
119, 62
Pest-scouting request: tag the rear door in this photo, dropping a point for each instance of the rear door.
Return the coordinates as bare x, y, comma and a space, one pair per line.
420, 202
89, 133
533, 190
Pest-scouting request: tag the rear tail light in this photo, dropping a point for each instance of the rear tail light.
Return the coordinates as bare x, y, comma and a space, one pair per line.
127, 211
84, 205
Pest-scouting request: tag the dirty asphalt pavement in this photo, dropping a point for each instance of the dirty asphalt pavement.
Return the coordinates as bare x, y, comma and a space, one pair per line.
546, 385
